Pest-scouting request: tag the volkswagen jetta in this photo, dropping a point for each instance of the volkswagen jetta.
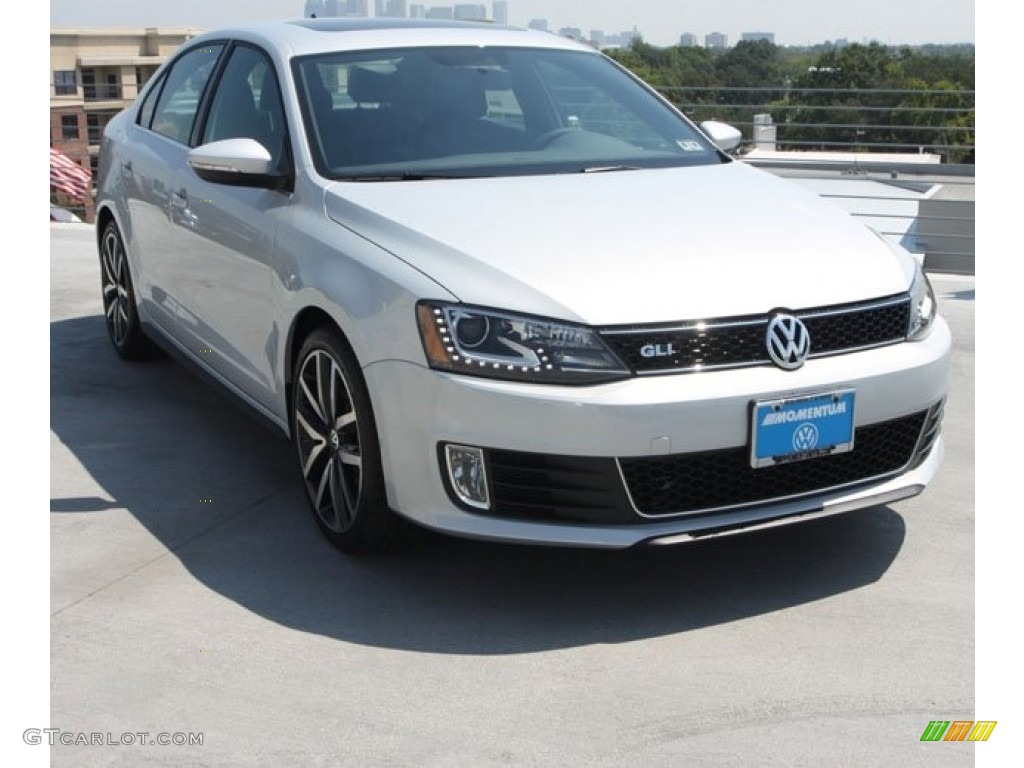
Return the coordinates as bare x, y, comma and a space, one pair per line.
488, 281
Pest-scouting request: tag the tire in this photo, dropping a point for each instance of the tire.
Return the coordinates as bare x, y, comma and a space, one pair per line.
119, 308
335, 437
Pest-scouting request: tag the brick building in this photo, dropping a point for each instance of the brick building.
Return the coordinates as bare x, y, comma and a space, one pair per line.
94, 74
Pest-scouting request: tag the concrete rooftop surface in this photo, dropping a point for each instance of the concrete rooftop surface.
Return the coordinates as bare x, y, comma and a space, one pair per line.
190, 592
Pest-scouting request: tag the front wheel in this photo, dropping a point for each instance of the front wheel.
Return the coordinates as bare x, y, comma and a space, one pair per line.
339, 455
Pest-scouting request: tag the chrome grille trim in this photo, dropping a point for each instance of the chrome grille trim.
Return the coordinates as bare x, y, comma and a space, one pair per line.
737, 342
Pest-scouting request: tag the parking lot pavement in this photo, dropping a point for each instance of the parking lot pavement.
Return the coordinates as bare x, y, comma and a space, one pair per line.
191, 593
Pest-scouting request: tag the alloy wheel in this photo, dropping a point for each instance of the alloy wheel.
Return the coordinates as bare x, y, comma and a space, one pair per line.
328, 440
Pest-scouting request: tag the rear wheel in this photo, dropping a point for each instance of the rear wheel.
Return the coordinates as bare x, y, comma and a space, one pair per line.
339, 454
119, 308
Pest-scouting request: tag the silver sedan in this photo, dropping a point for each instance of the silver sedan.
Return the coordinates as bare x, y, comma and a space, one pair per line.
488, 281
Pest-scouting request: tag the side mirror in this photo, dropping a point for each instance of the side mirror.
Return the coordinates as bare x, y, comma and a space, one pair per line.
724, 135
239, 162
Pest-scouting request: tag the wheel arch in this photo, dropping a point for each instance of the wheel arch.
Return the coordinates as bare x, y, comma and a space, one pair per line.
104, 216
304, 323
106, 213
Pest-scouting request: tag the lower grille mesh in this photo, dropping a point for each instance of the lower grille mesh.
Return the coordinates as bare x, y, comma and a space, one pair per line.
695, 481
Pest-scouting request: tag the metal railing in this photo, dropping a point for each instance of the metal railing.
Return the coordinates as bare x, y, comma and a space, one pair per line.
102, 92
893, 119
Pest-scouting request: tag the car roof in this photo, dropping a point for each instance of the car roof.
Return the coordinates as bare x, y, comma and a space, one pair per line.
300, 37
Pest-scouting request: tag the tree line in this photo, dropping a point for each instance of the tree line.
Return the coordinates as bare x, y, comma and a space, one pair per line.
854, 97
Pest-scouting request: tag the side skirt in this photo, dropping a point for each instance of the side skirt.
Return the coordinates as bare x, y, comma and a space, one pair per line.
222, 385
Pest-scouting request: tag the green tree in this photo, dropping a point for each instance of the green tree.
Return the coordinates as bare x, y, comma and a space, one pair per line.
750, 64
858, 95
869, 97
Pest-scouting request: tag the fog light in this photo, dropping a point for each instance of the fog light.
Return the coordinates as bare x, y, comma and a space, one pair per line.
468, 475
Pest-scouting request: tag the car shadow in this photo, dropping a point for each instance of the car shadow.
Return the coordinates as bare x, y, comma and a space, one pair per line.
222, 493
964, 295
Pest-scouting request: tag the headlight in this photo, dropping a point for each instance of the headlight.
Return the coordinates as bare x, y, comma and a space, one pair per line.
485, 342
922, 307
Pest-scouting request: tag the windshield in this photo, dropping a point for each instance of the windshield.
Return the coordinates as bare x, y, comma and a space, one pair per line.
485, 111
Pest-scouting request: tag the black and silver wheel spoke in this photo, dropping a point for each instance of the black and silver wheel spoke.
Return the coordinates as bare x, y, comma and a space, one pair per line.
324, 382
323, 493
341, 493
311, 400
109, 283
319, 443
327, 435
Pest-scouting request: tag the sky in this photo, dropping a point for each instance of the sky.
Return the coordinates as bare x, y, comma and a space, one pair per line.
794, 22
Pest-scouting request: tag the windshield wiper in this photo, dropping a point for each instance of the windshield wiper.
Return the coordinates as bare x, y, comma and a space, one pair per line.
408, 176
608, 168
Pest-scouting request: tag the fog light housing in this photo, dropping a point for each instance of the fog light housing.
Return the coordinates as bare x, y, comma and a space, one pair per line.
467, 474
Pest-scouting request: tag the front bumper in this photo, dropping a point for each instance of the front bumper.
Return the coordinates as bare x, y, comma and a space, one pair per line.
657, 418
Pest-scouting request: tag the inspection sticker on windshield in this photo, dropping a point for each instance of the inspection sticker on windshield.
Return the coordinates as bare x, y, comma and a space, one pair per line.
689, 145
795, 429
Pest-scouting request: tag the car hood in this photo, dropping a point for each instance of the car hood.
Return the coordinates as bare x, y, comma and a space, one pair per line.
626, 246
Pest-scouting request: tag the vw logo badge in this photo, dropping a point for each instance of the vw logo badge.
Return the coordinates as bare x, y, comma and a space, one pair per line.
805, 437
788, 342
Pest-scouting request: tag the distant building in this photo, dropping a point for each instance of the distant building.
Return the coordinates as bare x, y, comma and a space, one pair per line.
619, 39
538, 24
417, 11
716, 40
688, 40
626, 38
750, 37
94, 74
343, 8
316, 8
597, 37
469, 12
439, 12
574, 32
500, 12
391, 9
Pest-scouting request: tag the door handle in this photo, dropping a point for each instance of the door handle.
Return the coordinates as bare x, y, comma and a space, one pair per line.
180, 210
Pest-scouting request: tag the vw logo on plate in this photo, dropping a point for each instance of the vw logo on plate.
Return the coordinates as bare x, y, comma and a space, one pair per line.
788, 341
805, 437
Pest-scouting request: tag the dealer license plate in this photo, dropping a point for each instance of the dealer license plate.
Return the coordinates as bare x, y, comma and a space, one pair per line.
800, 428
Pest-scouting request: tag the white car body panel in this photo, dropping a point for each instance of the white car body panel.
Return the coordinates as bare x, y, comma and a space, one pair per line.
653, 245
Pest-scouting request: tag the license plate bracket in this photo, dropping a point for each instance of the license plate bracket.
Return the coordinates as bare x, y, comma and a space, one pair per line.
792, 429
